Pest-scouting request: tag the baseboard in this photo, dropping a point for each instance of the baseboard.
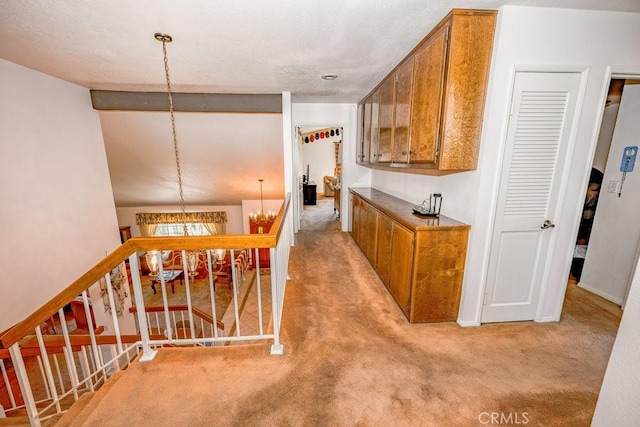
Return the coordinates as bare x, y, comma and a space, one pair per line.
467, 323
546, 319
598, 292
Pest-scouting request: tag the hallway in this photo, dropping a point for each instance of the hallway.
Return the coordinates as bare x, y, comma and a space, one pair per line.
351, 358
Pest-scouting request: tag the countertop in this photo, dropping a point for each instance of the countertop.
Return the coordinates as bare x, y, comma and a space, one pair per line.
402, 211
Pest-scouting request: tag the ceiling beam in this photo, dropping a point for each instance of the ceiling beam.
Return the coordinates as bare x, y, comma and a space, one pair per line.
187, 102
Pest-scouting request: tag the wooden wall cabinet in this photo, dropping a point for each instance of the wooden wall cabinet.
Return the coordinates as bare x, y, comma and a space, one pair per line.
420, 260
431, 105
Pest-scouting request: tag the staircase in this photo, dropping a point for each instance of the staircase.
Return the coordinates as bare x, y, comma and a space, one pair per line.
80, 411
64, 377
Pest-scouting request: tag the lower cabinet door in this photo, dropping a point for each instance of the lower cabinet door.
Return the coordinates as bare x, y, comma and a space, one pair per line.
402, 241
371, 232
383, 261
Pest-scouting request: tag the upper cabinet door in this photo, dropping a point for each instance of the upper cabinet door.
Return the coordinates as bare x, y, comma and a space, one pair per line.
375, 128
363, 155
428, 84
402, 109
426, 116
385, 121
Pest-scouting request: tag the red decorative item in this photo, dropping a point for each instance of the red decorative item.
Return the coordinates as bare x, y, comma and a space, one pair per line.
311, 138
321, 135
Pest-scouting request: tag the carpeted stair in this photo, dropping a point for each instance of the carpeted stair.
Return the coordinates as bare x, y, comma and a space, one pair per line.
15, 421
86, 404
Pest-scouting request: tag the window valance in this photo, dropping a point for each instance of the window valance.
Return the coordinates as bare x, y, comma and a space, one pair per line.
178, 217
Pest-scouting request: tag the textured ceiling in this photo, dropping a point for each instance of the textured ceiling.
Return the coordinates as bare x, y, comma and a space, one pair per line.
266, 46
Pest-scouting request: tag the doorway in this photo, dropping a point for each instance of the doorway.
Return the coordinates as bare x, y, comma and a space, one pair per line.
319, 176
608, 242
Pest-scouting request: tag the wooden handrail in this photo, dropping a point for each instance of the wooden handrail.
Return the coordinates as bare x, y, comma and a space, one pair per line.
120, 254
195, 310
80, 285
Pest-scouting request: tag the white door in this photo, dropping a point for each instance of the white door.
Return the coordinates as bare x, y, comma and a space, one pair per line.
539, 131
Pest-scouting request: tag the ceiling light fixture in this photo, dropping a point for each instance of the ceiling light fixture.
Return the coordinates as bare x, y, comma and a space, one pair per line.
165, 38
262, 217
194, 258
329, 76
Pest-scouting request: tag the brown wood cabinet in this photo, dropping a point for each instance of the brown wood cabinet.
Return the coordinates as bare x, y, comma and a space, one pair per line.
430, 107
420, 260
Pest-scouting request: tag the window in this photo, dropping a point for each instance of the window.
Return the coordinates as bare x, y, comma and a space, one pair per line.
193, 228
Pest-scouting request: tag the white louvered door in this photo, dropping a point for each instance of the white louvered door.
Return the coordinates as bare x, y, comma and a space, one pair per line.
542, 113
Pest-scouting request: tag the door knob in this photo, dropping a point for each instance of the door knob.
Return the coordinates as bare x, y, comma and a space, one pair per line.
547, 224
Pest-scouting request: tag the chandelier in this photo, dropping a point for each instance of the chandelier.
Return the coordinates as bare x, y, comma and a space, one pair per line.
262, 217
194, 258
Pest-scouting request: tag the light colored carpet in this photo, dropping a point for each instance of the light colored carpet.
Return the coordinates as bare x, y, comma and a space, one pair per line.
351, 359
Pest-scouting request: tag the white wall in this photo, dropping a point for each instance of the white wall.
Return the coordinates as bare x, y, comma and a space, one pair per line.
127, 215
564, 39
57, 218
618, 400
616, 229
344, 115
542, 39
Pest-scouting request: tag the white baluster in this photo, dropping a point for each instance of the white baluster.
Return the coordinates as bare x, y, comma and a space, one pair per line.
188, 290
86, 368
7, 384
259, 289
212, 292
58, 373
92, 334
47, 368
25, 386
234, 279
43, 377
114, 315
165, 303
71, 365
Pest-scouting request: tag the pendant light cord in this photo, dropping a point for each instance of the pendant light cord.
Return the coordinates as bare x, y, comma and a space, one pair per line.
164, 38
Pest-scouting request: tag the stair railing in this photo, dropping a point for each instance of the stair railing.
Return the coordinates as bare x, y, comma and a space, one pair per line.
63, 364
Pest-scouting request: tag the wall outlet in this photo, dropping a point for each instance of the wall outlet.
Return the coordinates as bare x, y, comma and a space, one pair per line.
614, 187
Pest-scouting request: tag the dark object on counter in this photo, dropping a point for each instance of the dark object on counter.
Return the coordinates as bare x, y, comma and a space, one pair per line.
430, 206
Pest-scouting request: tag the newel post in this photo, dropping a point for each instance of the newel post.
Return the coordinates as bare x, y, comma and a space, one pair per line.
276, 348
